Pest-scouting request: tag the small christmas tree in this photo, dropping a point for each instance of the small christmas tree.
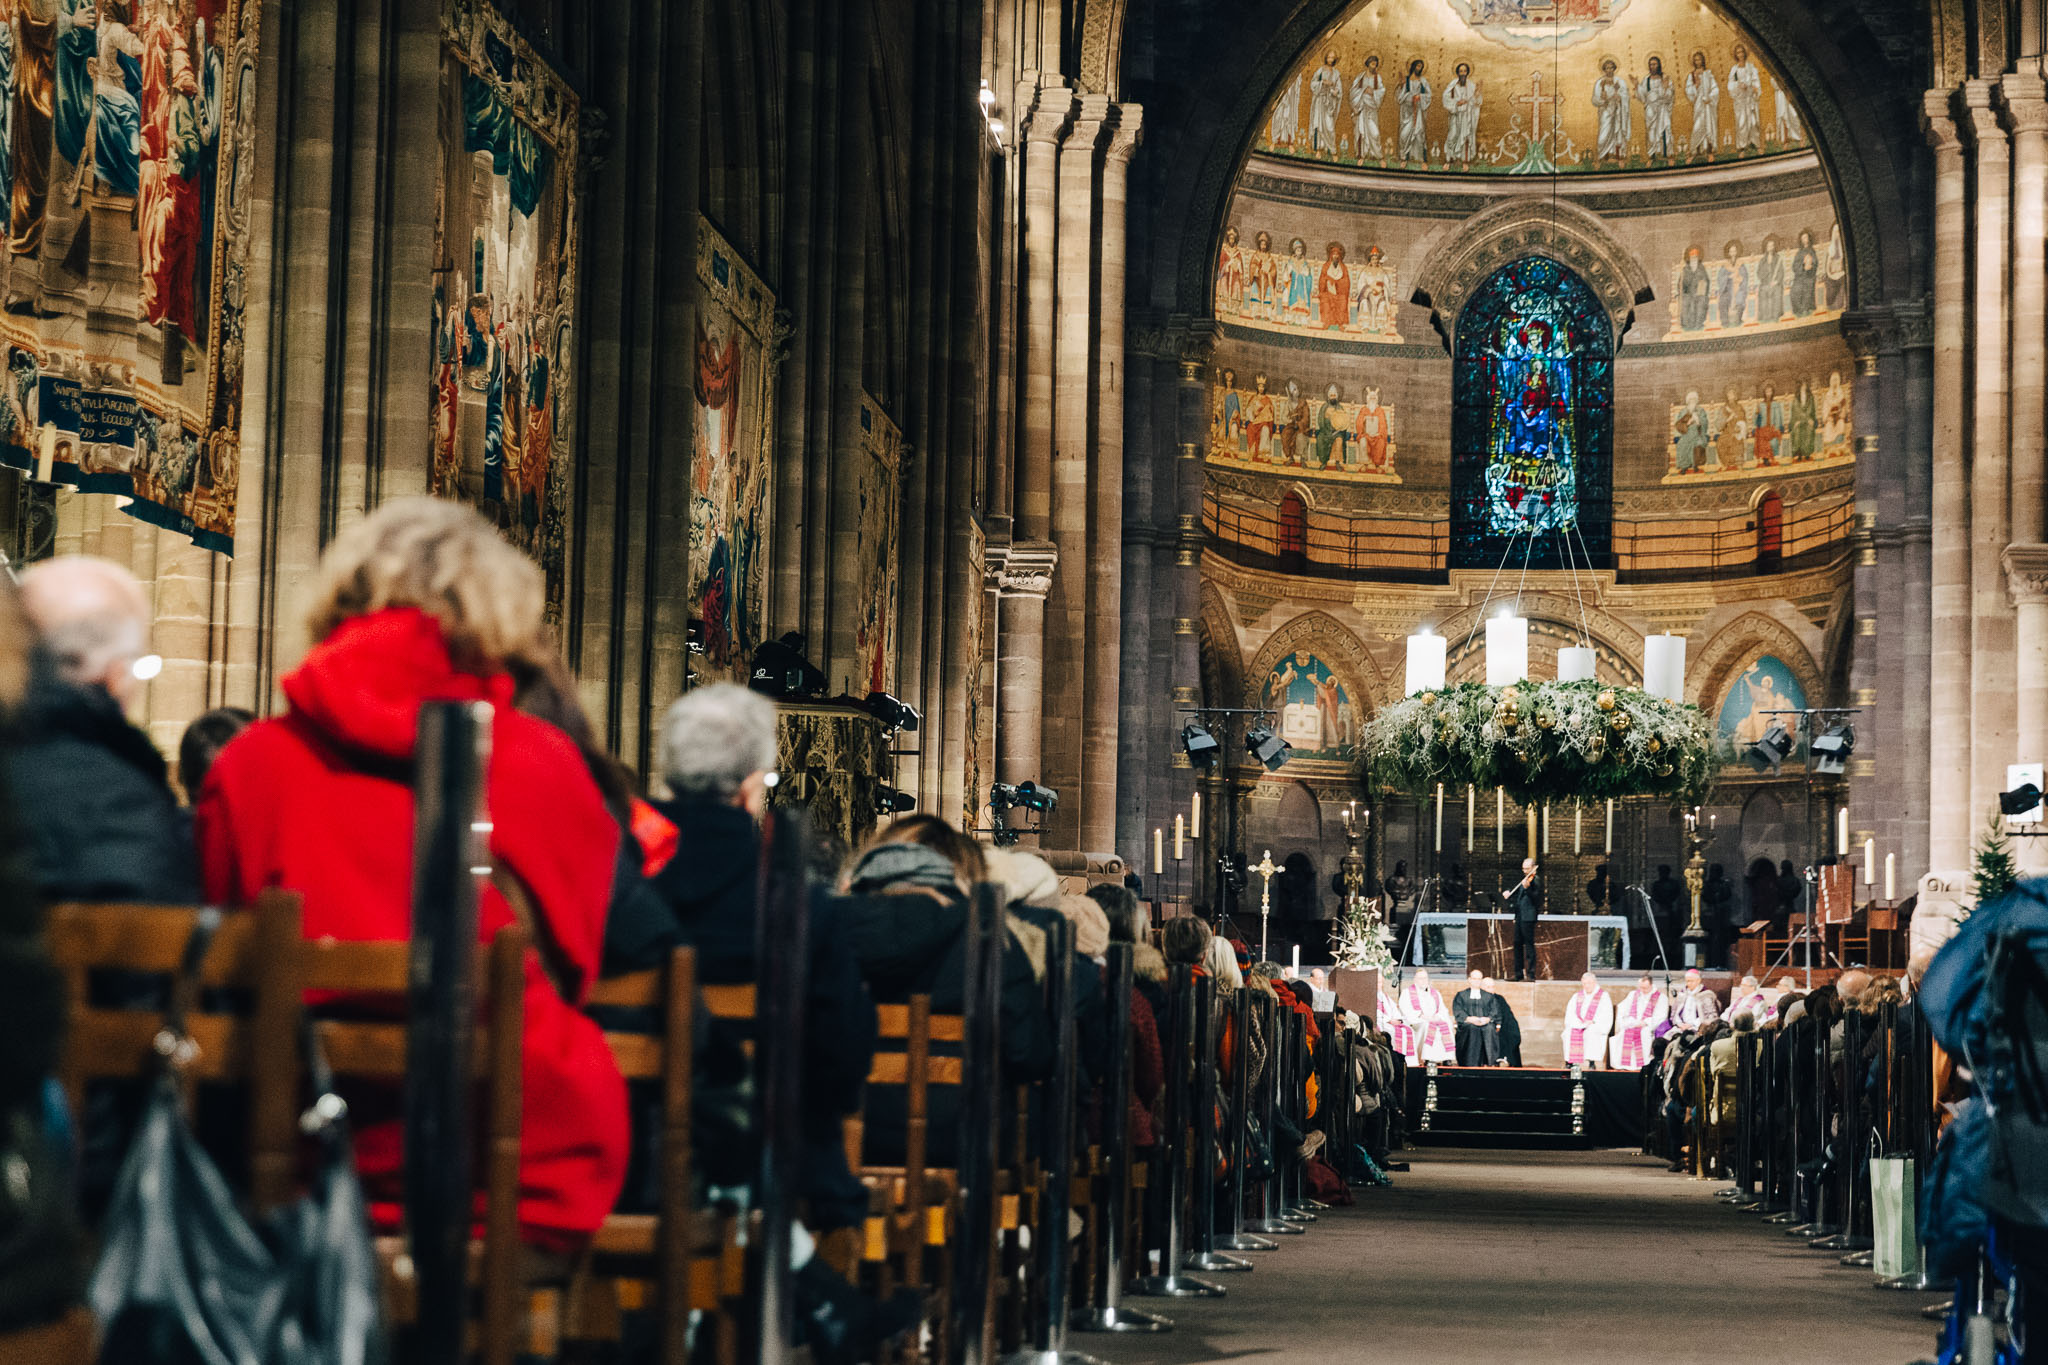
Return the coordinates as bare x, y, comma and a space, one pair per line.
1996, 871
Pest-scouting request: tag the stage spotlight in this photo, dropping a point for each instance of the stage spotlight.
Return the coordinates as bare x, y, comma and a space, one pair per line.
895, 715
2020, 800
1774, 746
781, 670
1202, 748
1261, 743
1831, 751
889, 801
1029, 795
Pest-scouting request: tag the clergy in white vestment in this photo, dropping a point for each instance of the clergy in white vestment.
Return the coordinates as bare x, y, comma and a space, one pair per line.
1394, 1026
1588, 1019
1750, 996
1642, 1011
1422, 1005
1696, 1006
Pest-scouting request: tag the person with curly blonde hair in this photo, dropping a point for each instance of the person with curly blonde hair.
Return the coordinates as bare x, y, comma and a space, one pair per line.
420, 602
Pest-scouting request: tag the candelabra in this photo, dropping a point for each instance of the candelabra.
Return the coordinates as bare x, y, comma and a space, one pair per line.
1698, 835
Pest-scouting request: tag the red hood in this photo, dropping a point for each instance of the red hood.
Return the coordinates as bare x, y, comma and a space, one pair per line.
363, 684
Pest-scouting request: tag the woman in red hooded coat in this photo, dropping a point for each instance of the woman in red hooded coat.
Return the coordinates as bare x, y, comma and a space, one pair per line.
423, 601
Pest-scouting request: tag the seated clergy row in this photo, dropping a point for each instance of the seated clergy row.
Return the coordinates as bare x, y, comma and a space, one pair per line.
1479, 1028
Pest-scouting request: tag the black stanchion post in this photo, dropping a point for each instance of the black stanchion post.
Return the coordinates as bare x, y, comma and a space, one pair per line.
1239, 1239
1109, 1314
1916, 1104
1806, 1112
1844, 1121
450, 844
1299, 1208
781, 966
1865, 1109
1202, 1178
1270, 1222
1739, 1194
1170, 1282
972, 1337
1056, 1151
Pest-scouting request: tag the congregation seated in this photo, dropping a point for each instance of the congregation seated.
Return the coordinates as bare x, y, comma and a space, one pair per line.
420, 601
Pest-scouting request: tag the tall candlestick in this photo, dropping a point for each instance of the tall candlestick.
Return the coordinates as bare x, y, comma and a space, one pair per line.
1578, 825
1195, 820
1500, 819
1439, 817
1891, 882
1609, 848
1471, 813
1158, 851
1546, 829
1842, 832
1179, 834
1529, 822
1869, 862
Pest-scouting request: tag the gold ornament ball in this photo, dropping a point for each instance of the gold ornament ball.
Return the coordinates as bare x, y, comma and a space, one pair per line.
1664, 770
1605, 701
1429, 699
1656, 745
1620, 723
1545, 720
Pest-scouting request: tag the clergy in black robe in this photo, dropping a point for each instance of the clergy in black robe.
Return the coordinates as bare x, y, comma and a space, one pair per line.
1510, 1027
1478, 1012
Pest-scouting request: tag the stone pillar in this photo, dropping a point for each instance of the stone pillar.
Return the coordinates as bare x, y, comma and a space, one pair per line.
2026, 569
1992, 707
2025, 561
1192, 420
1948, 699
1868, 333
1914, 494
1023, 574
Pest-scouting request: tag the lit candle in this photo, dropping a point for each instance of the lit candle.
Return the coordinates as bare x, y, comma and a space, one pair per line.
1891, 877
1439, 817
1297, 960
1179, 835
1578, 826
46, 452
1546, 829
1610, 825
1471, 813
1158, 851
1869, 862
1529, 822
1842, 832
1500, 819
1195, 820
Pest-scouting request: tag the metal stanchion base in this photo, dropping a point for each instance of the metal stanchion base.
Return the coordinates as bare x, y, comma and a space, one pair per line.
1781, 1216
1833, 1241
1811, 1230
1861, 1260
1172, 1287
1118, 1319
1297, 1215
1745, 1202
1239, 1241
1036, 1357
1314, 1205
1938, 1311
1273, 1227
1919, 1282
1215, 1263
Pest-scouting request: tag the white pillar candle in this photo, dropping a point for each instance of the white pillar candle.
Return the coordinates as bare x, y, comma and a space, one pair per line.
1471, 813
1578, 827
1195, 820
1179, 834
1297, 961
1426, 653
1529, 822
1869, 862
1610, 825
1507, 650
46, 452
1891, 877
1546, 829
1158, 851
1439, 817
1842, 832
1500, 819
1575, 664
1664, 666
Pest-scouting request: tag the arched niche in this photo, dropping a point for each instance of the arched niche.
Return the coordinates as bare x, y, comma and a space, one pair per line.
1532, 225
1321, 685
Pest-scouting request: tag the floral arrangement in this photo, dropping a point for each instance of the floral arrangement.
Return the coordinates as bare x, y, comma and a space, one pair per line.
1359, 939
1544, 741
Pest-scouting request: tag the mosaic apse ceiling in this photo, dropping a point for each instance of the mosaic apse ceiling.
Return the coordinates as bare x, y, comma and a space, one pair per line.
1532, 87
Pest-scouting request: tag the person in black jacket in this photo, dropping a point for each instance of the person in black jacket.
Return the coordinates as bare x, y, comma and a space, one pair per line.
97, 813
1525, 899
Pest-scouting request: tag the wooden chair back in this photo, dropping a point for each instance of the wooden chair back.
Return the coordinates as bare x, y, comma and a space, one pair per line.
375, 1050
243, 1019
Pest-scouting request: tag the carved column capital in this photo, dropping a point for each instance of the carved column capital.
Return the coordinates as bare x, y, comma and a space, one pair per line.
2026, 573
1048, 109
1980, 123
1938, 122
1196, 342
1916, 325
1870, 332
1130, 127
1022, 568
2024, 98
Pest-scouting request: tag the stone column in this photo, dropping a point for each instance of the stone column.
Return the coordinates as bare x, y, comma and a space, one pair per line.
2025, 98
2026, 569
1948, 698
1023, 575
1992, 704
1867, 333
1916, 672
1192, 419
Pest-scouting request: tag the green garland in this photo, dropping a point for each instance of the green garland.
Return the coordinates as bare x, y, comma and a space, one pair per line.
1544, 741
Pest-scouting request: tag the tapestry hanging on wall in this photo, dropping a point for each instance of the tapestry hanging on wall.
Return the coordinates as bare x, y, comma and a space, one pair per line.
729, 459
874, 594
127, 156
505, 292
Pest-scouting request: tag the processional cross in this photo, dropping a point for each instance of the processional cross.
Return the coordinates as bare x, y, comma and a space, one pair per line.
1265, 867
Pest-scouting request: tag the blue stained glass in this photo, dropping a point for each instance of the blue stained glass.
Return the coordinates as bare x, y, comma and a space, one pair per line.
1532, 422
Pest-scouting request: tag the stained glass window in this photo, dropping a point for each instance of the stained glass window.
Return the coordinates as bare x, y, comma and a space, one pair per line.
1532, 426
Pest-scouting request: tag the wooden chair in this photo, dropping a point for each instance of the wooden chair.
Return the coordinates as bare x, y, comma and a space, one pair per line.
374, 1050
257, 1046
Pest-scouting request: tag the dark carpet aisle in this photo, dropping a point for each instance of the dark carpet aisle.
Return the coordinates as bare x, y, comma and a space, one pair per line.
1525, 1258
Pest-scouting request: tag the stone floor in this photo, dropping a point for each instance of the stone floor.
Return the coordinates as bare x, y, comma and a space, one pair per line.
1526, 1258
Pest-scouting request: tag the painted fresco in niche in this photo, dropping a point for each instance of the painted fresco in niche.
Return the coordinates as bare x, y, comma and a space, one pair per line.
1315, 710
875, 549
1757, 430
1533, 87
127, 165
1279, 283
1334, 433
729, 493
505, 303
1766, 685
1762, 286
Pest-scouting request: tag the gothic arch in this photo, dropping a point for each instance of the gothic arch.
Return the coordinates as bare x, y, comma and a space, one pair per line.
1531, 225
1713, 668
1328, 639
1222, 658
1100, 28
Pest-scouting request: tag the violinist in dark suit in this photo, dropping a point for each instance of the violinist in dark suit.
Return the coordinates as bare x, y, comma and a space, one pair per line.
1525, 898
